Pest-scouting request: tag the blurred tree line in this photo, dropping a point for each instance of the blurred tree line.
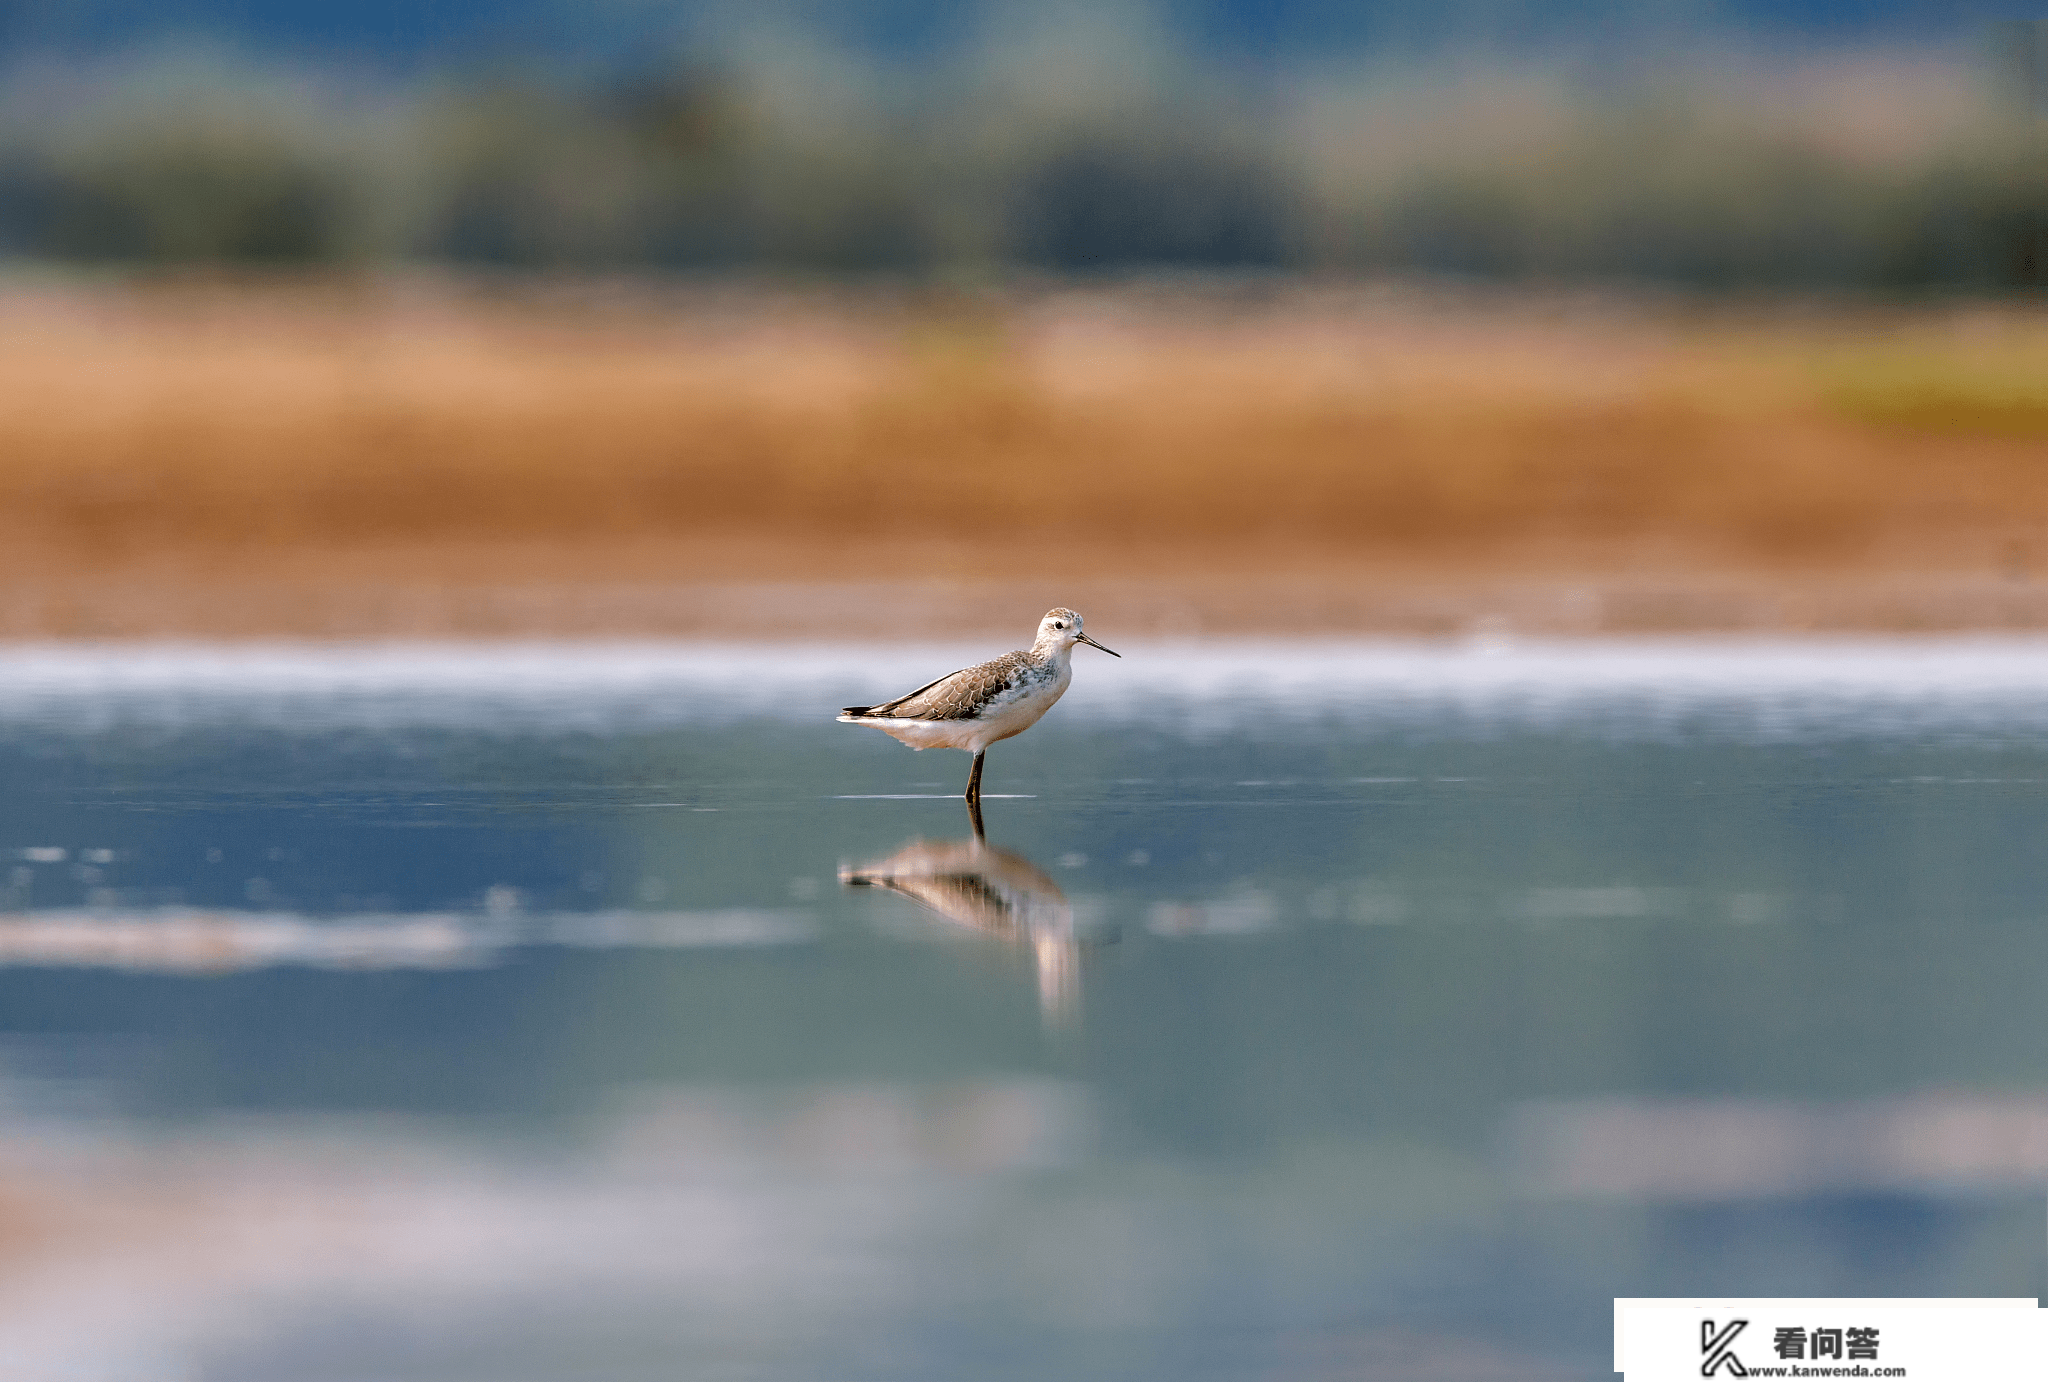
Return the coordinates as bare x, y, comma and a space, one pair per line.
1886, 171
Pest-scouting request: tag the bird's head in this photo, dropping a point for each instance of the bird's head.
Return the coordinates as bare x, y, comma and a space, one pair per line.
1061, 629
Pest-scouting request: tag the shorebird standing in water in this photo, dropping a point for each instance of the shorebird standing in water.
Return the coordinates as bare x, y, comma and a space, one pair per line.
977, 706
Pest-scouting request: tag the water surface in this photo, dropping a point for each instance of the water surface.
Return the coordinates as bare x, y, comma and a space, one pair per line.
1311, 1011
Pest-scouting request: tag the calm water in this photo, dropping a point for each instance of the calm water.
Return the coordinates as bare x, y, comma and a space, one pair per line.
1312, 1012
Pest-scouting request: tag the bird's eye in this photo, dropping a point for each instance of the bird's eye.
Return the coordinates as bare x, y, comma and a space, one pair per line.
1058, 624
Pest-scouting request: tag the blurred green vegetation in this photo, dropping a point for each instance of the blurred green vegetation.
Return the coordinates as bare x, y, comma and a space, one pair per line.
1993, 393
1882, 171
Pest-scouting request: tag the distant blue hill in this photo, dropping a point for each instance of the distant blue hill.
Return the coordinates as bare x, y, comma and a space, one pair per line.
414, 33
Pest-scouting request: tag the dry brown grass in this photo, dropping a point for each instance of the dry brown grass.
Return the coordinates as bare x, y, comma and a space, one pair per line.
644, 433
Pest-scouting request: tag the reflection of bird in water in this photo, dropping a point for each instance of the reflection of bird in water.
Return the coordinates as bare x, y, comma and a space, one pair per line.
977, 706
976, 884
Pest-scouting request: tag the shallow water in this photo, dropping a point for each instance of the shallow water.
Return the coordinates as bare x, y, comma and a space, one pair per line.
1313, 1011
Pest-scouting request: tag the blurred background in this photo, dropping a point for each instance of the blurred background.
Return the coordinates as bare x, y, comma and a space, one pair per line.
484, 316
456, 457
1771, 143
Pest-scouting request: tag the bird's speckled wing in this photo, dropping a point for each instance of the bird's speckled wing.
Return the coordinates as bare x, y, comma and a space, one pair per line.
961, 696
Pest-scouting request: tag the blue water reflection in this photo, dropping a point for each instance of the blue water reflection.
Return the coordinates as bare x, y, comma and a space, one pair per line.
580, 1014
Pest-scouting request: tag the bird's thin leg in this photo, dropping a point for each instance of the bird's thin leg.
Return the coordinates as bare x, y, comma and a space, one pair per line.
974, 780
974, 819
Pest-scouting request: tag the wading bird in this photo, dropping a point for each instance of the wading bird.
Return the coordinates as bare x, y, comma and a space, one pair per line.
976, 706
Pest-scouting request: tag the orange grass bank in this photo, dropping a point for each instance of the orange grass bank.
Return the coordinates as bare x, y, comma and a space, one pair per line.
415, 455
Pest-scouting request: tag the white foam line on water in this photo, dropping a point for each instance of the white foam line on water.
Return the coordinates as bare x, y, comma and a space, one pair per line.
1770, 685
205, 941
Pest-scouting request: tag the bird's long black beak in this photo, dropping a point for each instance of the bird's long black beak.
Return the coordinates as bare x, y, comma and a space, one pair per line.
1093, 644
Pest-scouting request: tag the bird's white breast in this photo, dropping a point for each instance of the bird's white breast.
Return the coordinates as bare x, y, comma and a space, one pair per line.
1019, 708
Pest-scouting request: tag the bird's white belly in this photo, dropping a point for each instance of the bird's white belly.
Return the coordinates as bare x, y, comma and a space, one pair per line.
1018, 712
